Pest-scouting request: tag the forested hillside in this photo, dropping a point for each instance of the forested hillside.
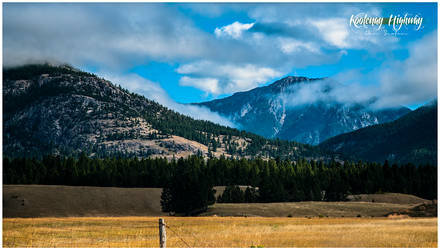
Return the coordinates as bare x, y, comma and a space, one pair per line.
410, 139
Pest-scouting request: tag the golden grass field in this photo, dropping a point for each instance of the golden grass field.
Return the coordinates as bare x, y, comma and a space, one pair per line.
220, 232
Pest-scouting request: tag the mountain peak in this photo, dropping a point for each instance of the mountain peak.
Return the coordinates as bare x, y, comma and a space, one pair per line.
290, 80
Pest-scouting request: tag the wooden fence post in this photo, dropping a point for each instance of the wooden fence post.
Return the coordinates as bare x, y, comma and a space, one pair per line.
162, 233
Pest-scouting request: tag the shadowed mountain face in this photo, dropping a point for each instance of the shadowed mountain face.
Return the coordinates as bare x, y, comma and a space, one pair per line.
411, 138
275, 111
60, 110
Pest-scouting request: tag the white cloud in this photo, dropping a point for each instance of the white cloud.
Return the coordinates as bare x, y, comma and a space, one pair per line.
233, 30
327, 91
289, 45
154, 91
138, 84
325, 25
334, 31
225, 78
209, 85
337, 32
412, 81
109, 35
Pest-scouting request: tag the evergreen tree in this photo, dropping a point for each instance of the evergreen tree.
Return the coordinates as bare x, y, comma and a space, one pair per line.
250, 195
232, 194
189, 191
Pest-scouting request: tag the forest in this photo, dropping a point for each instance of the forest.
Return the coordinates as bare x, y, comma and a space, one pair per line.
273, 180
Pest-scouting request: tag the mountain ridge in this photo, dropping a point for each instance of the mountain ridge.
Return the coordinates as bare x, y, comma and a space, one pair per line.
269, 112
279, 84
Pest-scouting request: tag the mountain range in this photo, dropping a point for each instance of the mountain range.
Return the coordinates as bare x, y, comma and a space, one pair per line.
61, 110
273, 111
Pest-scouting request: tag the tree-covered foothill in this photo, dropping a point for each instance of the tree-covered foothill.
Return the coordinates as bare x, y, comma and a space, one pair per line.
276, 180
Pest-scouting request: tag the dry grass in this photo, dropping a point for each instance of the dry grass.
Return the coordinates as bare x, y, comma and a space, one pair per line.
306, 209
394, 198
220, 232
74, 201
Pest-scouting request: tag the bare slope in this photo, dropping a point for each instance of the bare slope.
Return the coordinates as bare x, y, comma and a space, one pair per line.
307, 209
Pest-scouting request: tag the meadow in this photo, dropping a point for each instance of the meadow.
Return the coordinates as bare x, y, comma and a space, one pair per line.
220, 232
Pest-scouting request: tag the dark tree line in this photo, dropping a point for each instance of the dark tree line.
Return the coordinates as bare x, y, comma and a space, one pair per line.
277, 180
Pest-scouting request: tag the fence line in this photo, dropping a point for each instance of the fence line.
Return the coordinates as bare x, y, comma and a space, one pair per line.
196, 239
74, 234
178, 236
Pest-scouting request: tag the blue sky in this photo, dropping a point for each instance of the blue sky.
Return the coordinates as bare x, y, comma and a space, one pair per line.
185, 52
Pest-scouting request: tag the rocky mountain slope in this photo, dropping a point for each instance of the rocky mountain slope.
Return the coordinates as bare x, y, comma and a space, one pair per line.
270, 111
60, 110
411, 138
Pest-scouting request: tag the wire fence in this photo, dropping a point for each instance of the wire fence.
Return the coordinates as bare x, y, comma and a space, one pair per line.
38, 233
